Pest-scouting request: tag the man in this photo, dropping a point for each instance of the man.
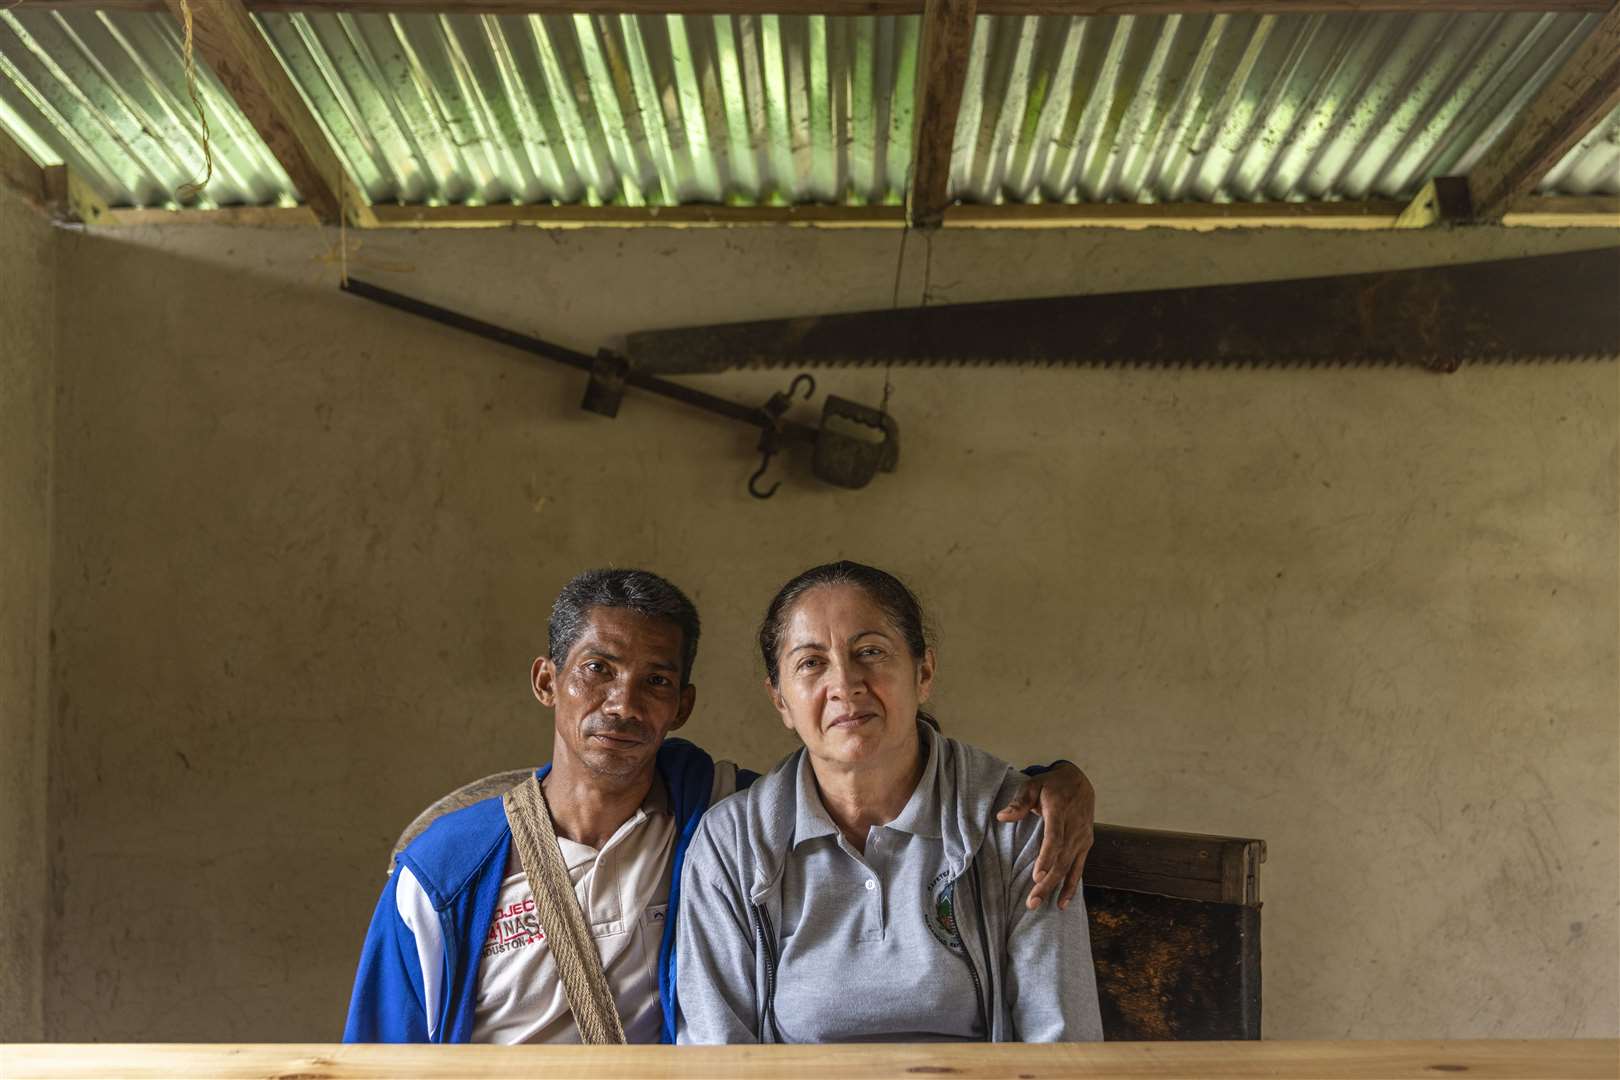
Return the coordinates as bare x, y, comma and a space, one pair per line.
455, 952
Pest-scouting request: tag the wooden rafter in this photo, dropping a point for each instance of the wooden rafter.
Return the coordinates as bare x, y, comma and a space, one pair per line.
72, 200
1566, 211
1601, 211
258, 217
947, 38
1342, 214
23, 176
53, 190
862, 7
1553, 211
227, 38
1585, 90
593, 217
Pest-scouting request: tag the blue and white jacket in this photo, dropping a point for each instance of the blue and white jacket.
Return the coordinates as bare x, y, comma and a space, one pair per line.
460, 862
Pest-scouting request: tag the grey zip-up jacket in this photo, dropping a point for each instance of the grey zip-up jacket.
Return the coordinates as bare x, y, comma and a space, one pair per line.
1033, 969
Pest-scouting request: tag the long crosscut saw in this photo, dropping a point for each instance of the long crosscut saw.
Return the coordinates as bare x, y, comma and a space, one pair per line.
1551, 307
1542, 308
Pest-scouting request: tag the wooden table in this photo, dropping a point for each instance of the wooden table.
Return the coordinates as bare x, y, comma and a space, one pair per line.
1561, 1059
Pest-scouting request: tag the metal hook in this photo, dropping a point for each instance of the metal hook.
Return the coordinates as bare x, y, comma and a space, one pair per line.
772, 433
764, 463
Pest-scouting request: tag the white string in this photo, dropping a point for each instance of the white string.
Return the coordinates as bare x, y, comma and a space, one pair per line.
343, 232
894, 302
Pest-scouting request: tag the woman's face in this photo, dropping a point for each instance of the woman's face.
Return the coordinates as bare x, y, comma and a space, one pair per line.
847, 682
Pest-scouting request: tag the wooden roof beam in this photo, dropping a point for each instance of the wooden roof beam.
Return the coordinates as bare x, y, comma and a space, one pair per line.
1573, 102
947, 38
1566, 211
226, 37
54, 190
24, 177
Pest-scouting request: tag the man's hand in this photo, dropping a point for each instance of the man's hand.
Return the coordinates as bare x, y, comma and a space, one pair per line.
1065, 799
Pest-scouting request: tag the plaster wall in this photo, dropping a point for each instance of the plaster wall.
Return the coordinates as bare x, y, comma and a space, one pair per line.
27, 343
306, 547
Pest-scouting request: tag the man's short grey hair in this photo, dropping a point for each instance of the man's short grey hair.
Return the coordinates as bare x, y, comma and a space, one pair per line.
640, 591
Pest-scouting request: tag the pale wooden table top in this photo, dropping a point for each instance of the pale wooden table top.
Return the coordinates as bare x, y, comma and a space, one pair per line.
1552, 1059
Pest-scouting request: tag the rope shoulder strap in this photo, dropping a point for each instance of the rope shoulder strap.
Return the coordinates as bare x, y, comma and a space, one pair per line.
578, 962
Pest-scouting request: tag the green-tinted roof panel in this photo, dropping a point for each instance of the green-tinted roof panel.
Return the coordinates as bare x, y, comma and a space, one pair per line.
1204, 108
609, 109
105, 92
433, 109
1592, 167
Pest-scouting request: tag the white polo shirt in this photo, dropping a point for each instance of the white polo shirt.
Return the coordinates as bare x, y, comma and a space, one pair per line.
623, 890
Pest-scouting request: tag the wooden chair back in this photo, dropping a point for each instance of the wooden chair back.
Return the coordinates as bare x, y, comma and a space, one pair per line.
1175, 933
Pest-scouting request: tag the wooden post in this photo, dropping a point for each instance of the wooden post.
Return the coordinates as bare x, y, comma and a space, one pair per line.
1585, 90
226, 37
947, 37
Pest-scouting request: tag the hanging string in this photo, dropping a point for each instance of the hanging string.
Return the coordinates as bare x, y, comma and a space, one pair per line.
899, 266
339, 252
343, 233
928, 267
894, 302
191, 190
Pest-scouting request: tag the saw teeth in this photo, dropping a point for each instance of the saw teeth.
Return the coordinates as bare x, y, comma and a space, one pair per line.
1428, 363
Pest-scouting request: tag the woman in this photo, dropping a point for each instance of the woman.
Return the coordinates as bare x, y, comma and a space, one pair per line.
857, 892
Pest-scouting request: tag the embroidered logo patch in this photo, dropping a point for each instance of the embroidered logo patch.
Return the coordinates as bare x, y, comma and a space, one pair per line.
515, 926
940, 912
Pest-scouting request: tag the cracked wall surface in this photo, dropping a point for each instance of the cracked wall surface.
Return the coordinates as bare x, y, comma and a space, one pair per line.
305, 549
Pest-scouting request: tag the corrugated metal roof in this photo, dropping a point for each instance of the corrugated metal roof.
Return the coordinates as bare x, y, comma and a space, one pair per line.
761, 109
1592, 167
105, 92
632, 110
1205, 108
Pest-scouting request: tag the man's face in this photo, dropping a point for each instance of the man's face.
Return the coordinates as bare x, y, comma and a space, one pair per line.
617, 694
